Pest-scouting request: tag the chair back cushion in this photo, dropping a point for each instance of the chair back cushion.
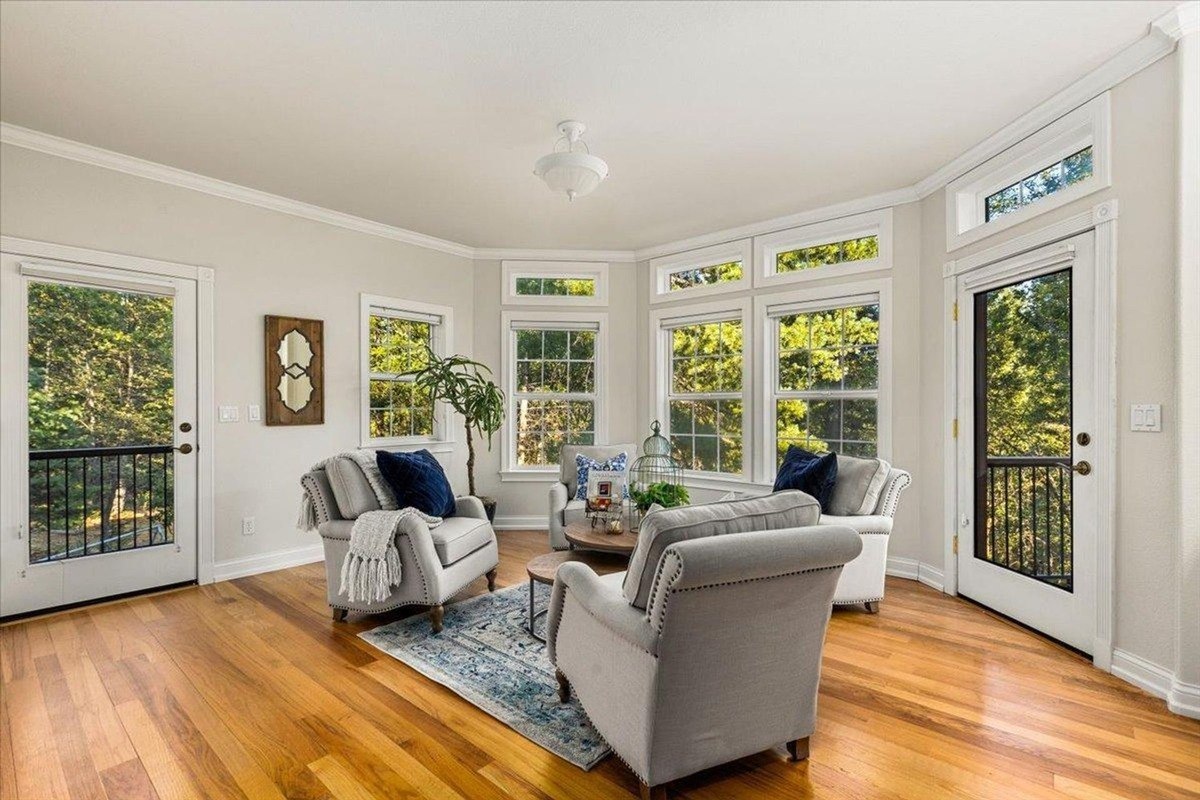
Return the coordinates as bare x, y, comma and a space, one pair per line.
569, 473
418, 481
660, 530
351, 490
860, 482
808, 472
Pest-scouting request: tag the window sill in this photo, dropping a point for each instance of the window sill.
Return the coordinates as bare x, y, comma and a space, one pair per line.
529, 475
446, 446
708, 480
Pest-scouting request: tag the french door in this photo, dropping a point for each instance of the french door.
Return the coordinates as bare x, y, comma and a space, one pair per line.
1027, 499
97, 453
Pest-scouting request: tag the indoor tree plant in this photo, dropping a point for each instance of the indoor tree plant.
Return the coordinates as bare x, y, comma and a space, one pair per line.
465, 386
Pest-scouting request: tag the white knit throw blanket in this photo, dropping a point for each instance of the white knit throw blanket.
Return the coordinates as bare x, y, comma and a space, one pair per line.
372, 564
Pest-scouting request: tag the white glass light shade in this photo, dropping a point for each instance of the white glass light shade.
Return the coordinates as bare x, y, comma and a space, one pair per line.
576, 174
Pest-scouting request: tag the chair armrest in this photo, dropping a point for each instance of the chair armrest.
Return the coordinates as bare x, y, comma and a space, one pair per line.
607, 607
469, 506
558, 497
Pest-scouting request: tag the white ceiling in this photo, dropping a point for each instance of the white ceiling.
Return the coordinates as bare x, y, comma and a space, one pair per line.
429, 116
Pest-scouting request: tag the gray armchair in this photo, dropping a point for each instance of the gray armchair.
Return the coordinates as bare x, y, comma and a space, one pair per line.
564, 508
435, 563
710, 652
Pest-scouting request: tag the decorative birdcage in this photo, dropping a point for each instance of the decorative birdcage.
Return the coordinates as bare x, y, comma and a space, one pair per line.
655, 476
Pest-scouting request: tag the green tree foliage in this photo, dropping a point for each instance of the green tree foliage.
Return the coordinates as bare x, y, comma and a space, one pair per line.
399, 406
705, 276
705, 426
553, 363
821, 255
561, 287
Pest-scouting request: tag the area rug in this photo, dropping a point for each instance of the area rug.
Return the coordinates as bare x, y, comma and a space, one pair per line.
486, 656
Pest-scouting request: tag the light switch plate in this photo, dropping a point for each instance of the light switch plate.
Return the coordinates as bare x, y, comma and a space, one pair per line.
1145, 417
227, 414
254, 413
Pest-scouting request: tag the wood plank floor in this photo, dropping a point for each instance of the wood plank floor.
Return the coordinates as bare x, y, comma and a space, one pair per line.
248, 689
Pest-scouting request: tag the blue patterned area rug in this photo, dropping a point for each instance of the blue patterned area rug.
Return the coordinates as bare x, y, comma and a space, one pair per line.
485, 655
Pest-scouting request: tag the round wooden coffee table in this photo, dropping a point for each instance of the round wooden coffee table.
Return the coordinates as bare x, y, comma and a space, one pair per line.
582, 535
543, 568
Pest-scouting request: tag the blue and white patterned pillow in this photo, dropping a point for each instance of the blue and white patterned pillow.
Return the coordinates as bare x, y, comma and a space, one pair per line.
584, 465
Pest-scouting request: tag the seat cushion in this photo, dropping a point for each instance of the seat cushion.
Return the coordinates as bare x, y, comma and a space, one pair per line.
808, 472
660, 530
351, 489
418, 480
863, 523
859, 483
458, 537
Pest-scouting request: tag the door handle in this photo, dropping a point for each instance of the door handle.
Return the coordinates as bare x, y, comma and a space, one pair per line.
184, 448
1083, 468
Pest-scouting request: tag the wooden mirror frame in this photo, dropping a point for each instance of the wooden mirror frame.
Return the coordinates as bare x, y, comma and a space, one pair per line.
314, 331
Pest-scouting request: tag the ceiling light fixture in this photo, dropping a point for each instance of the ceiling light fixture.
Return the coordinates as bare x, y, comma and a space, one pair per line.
570, 171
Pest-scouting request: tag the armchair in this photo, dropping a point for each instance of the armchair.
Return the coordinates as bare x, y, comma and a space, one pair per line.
722, 661
435, 563
564, 508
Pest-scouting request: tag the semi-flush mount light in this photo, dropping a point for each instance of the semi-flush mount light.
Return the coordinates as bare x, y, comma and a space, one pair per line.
570, 171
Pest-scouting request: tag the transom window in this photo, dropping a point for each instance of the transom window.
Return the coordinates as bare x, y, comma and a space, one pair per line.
820, 255
707, 271
560, 287
826, 392
398, 336
704, 276
550, 283
704, 396
1059, 175
553, 397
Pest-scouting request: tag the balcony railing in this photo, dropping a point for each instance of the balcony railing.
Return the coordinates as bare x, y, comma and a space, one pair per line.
88, 501
1025, 503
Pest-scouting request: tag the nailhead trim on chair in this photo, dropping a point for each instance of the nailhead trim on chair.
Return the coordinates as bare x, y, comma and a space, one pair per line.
315, 493
858, 602
892, 500
752, 580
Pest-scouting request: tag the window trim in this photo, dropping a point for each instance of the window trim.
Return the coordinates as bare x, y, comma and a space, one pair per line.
662, 268
509, 470
739, 308
1088, 125
872, 223
767, 365
596, 270
443, 343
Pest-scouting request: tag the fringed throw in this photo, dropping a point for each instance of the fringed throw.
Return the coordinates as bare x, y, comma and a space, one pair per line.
372, 565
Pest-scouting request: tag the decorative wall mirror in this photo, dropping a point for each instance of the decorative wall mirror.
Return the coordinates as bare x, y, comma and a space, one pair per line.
295, 371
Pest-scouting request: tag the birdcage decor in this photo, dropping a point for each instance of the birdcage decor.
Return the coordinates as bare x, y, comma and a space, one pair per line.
655, 477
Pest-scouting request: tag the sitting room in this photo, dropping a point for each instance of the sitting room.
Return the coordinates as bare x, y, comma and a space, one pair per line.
581, 400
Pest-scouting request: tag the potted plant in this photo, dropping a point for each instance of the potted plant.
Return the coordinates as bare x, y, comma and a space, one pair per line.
465, 385
667, 495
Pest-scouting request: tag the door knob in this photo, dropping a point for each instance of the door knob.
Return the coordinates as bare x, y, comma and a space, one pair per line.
187, 448
1083, 468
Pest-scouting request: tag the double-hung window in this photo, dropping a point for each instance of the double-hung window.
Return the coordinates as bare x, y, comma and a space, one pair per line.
397, 337
703, 375
553, 371
824, 373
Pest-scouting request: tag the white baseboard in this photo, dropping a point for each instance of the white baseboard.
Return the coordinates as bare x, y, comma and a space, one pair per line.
530, 523
267, 562
899, 567
1182, 698
930, 576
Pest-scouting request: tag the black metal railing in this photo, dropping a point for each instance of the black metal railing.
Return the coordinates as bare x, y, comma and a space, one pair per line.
1025, 503
99, 500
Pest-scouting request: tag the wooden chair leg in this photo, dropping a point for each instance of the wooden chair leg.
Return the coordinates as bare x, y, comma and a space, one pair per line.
564, 687
339, 614
652, 792
798, 749
435, 617
872, 606
491, 576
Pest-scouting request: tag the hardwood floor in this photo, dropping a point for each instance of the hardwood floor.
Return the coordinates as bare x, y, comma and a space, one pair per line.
248, 689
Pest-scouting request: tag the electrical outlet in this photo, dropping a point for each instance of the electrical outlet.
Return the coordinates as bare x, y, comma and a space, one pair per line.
227, 414
247, 526
254, 413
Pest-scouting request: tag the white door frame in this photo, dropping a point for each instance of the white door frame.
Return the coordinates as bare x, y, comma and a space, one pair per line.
203, 276
1103, 220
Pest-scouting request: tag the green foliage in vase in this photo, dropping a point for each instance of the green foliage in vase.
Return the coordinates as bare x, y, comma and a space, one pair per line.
667, 495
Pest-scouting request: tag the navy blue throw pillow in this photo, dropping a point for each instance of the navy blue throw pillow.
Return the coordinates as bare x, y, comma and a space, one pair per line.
418, 481
808, 472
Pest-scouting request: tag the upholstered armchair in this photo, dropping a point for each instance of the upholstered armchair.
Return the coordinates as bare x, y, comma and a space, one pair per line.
435, 563
709, 648
564, 508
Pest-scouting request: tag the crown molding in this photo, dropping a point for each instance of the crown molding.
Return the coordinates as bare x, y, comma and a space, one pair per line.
1179, 21
534, 254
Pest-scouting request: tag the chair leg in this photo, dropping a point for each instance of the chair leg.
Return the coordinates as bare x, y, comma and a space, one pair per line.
339, 614
435, 617
491, 576
564, 687
647, 792
798, 749
872, 606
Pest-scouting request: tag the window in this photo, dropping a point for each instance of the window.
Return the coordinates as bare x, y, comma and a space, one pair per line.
1064, 161
397, 337
555, 283
702, 381
835, 248
695, 273
552, 371
1071, 170
827, 371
